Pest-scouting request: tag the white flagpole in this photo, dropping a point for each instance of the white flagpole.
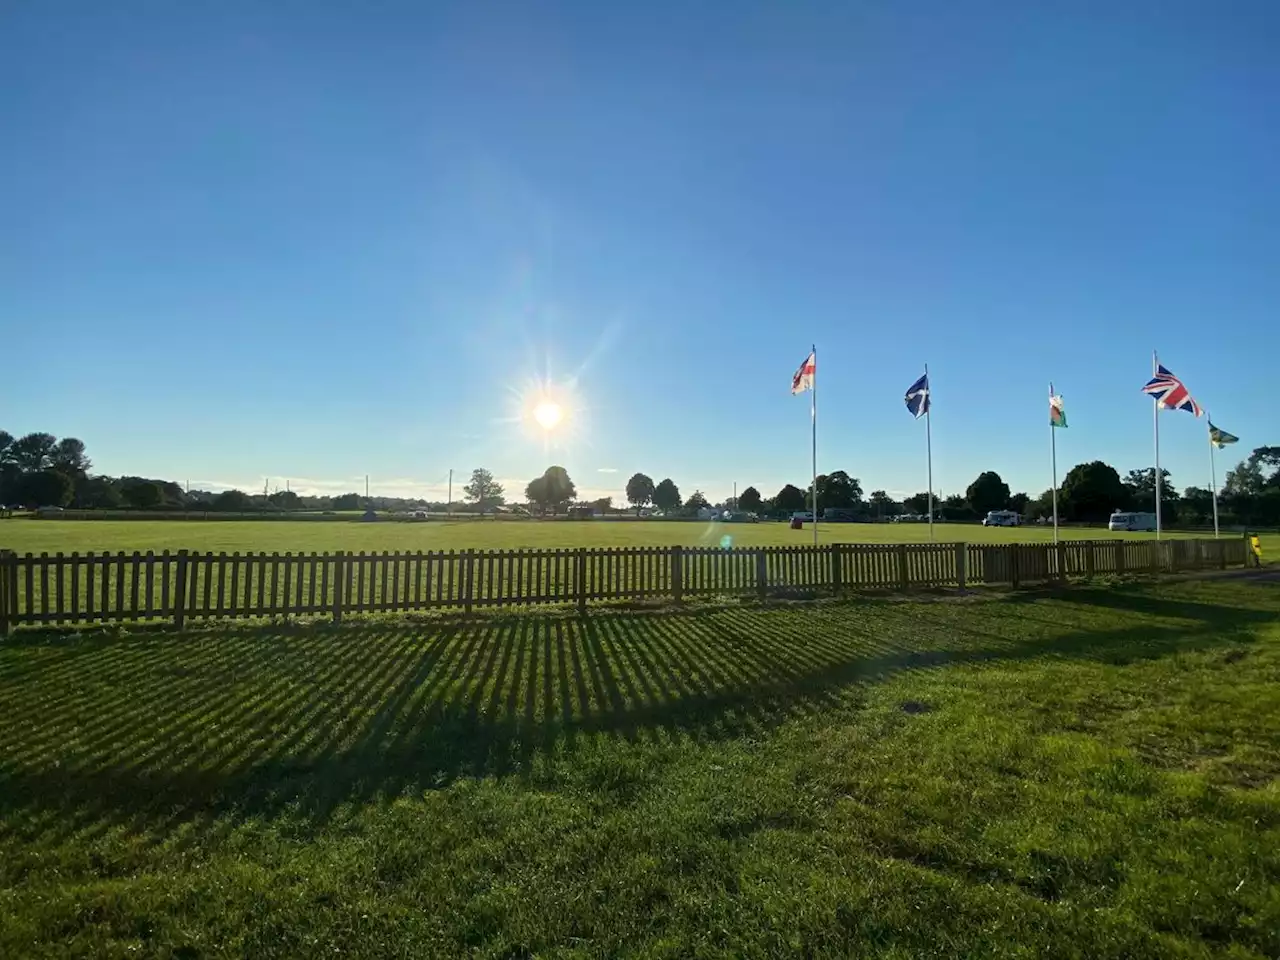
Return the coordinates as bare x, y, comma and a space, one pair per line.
813, 417
928, 439
1053, 447
1155, 364
1213, 474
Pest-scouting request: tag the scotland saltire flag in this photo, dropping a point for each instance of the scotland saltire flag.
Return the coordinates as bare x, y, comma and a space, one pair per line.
918, 397
1170, 393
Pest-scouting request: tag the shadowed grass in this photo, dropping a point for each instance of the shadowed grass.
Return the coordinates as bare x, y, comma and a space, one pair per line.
1090, 772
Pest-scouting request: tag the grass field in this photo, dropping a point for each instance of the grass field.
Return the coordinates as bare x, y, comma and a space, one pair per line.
36, 536
1089, 773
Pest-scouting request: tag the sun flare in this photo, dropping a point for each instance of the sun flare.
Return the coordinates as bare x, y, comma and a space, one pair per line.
548, 414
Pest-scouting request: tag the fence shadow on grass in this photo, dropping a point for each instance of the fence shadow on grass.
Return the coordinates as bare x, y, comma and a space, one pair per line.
153, 730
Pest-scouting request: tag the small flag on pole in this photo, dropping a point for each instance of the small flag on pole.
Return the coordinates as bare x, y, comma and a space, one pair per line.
1220, 438
918, 397
1170, 393
803, 380
1057, 413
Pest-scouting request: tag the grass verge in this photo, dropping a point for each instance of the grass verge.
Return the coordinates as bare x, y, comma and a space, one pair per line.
1085, 773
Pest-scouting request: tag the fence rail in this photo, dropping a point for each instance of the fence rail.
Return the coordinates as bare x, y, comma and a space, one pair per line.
183, 586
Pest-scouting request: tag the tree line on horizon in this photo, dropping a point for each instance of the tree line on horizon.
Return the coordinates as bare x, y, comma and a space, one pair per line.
39, 470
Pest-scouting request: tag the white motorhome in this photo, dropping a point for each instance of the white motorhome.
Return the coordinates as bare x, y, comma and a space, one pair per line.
1132, 521
1002, 518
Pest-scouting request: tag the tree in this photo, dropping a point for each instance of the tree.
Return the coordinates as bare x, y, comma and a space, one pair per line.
1019, 502
1140, 485
560, 489
1267, 456
98, 493
346, 501
917, 503
1091, 491
9, 477
536, 493
141, 494
639, 491
956, 507
285, 500
6, 447
602, 504
988, 492
838, 490
1246, 480
790, 499
666, 495
33, 452
552, 490
697, 501
750, 500
1197, 505
68, 457
483, 490
45, 488
882, 503
232, 501
1041, 506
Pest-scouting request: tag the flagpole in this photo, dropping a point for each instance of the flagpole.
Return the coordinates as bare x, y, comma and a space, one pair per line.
813, 417
1053, 447
1155, 366
928, 440
1213, 474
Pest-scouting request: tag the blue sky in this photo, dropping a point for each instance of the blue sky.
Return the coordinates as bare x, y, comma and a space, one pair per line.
316, 241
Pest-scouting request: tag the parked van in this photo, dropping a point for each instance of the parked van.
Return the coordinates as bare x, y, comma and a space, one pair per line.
1002, 518
1132, 521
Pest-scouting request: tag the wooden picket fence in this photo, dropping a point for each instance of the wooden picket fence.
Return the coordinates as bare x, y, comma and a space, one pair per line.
183, 586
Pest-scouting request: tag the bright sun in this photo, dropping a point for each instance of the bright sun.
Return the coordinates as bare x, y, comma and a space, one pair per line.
548, 414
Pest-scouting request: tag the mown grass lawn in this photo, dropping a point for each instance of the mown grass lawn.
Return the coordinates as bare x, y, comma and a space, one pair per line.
35, 536
1089, 773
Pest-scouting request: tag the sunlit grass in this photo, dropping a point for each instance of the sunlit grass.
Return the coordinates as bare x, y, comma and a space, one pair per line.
35, 536
1091, 772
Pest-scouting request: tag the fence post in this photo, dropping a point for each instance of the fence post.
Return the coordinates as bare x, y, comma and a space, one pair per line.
1154, 548
468, 579
1222, 554
837, 567
6, 561
1090, 564
762, 574
179, 591
580, 576
1015, 557
1119, 556
962, 559
1061, 550
339, 586
904, 580
677, 573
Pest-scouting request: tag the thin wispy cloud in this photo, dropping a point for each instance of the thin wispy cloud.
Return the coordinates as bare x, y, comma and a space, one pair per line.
606, 469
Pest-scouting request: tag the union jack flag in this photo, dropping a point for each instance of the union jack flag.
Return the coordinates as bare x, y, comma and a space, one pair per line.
1170, 393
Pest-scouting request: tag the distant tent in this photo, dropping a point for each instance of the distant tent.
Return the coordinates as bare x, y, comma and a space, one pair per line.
370, 515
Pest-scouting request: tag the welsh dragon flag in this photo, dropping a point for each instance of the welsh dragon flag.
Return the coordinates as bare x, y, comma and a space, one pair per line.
1057, 414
